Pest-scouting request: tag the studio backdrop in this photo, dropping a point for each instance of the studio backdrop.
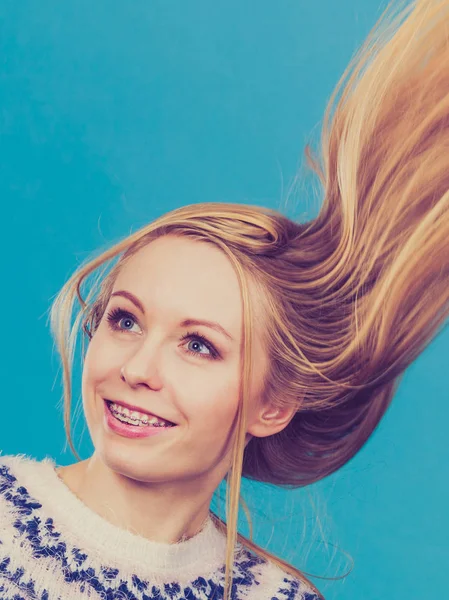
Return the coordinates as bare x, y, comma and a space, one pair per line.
112, 113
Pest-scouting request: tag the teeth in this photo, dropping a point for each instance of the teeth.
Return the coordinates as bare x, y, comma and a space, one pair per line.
135, 417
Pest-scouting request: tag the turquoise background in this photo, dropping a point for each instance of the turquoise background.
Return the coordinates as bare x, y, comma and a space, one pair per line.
112, 113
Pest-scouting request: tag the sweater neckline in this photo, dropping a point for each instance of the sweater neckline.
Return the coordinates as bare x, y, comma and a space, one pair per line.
112, 545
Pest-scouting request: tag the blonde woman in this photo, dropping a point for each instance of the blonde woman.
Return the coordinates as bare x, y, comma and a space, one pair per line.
226, 340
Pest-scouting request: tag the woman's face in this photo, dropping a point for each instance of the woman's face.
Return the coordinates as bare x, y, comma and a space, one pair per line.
154, 354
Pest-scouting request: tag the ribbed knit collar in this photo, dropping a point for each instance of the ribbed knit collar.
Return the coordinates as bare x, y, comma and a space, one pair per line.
110, 544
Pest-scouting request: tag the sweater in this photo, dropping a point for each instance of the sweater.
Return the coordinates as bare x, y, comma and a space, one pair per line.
54, 547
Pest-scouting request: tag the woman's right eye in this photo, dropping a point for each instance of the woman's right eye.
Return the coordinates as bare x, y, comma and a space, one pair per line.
122, 320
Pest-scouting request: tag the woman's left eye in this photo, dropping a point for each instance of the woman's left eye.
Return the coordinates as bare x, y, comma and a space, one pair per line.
196, 339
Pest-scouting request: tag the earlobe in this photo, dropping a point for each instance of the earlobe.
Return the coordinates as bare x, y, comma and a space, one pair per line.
270, 420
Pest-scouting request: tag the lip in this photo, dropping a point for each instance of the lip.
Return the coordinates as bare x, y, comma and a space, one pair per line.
137, 408
130, 431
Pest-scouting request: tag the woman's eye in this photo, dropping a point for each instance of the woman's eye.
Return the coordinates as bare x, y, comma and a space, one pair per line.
195, 346
119, 320
127, 323
198, 345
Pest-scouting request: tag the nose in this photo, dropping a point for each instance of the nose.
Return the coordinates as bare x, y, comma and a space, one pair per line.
140, 371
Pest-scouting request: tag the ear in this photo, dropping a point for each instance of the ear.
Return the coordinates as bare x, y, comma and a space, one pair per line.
268, 420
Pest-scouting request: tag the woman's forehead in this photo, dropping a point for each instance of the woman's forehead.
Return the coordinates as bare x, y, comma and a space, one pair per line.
184, 276
179, 275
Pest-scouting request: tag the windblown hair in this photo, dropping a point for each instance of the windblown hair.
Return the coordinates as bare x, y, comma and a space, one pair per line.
351, 297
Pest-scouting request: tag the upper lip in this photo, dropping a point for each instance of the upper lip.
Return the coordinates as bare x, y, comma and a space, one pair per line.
137, 408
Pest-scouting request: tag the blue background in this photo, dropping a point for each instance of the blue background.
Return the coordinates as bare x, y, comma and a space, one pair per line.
112, 113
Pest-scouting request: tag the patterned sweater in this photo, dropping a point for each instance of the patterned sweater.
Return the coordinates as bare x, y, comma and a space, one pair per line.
53, 547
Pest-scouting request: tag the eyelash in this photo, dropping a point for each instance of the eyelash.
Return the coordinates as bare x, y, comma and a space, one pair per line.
117, 314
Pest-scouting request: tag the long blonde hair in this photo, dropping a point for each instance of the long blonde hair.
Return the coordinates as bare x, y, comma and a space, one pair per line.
351, 297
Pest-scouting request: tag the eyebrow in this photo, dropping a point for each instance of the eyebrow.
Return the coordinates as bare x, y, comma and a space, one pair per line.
185, 323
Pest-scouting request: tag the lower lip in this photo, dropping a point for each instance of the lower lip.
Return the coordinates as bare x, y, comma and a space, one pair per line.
130, 431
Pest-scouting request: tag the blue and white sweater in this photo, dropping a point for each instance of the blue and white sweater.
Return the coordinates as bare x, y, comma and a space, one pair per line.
53, 547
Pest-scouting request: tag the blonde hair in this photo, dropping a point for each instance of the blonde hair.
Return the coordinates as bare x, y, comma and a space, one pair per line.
351, 297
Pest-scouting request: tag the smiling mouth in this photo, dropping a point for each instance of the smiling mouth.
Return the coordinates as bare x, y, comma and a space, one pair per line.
136, 418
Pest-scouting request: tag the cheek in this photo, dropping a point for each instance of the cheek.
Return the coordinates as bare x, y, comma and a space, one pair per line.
100, 362
211, 407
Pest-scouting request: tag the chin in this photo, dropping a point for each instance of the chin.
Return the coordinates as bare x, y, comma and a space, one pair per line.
134, 463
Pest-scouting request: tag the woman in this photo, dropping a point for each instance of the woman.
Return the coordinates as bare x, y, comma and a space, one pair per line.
227, 340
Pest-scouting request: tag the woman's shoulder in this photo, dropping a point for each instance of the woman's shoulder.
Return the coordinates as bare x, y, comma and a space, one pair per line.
20, 460
11, 466
290, 587
17, 473
271, 580
16, 466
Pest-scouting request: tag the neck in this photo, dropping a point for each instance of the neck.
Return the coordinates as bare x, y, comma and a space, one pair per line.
167, 513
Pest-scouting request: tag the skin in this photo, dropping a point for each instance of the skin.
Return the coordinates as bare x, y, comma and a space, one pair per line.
161, 487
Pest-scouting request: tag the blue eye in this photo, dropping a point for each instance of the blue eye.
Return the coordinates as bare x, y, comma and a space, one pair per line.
126, 322
200, 340
194, 341
121, 320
